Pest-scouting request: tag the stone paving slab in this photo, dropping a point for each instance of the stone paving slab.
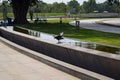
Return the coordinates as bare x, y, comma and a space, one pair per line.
16, 66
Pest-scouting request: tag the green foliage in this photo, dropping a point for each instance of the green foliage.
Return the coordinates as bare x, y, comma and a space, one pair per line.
109, 5
9, 8
115, 3
56, 7
89, 6
73, 6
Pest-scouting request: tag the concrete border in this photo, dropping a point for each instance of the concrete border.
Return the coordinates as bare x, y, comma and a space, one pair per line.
68, 68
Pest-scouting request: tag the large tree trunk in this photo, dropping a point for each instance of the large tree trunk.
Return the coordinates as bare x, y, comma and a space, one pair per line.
20, 8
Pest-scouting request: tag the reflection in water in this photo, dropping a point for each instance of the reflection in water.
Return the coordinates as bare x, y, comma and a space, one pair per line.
9, 28
34, 33
68, 41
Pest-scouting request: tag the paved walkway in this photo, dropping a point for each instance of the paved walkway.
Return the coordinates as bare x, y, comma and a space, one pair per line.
16, 66
112, 21
91, 24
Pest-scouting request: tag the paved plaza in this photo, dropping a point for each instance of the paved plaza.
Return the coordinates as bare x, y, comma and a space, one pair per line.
92, 24
16, 66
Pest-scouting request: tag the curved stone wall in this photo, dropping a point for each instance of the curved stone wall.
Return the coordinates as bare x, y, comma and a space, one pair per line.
100, 62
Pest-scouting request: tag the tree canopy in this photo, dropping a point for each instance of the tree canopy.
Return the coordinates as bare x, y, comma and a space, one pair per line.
115, 3
109, 5
89, 6
73, 6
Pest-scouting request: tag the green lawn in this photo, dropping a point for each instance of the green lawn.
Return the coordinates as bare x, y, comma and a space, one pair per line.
9, 15
37, 14
54, 27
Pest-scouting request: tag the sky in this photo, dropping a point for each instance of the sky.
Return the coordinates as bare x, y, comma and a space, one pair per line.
65, 1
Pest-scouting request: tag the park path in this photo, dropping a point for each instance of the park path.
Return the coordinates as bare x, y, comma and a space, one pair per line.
91, 24
16, 66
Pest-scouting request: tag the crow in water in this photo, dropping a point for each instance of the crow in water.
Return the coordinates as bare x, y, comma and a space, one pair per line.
59, 37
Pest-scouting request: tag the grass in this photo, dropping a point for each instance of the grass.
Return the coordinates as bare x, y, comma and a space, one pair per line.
37, 14
49, 14
9, 15
54, 27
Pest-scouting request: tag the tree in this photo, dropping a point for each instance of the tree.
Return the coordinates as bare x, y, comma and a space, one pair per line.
62, 7
106, 7
20, 9
73, 6
55, 7
113, 1
85, 7
116, 3
89, 6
